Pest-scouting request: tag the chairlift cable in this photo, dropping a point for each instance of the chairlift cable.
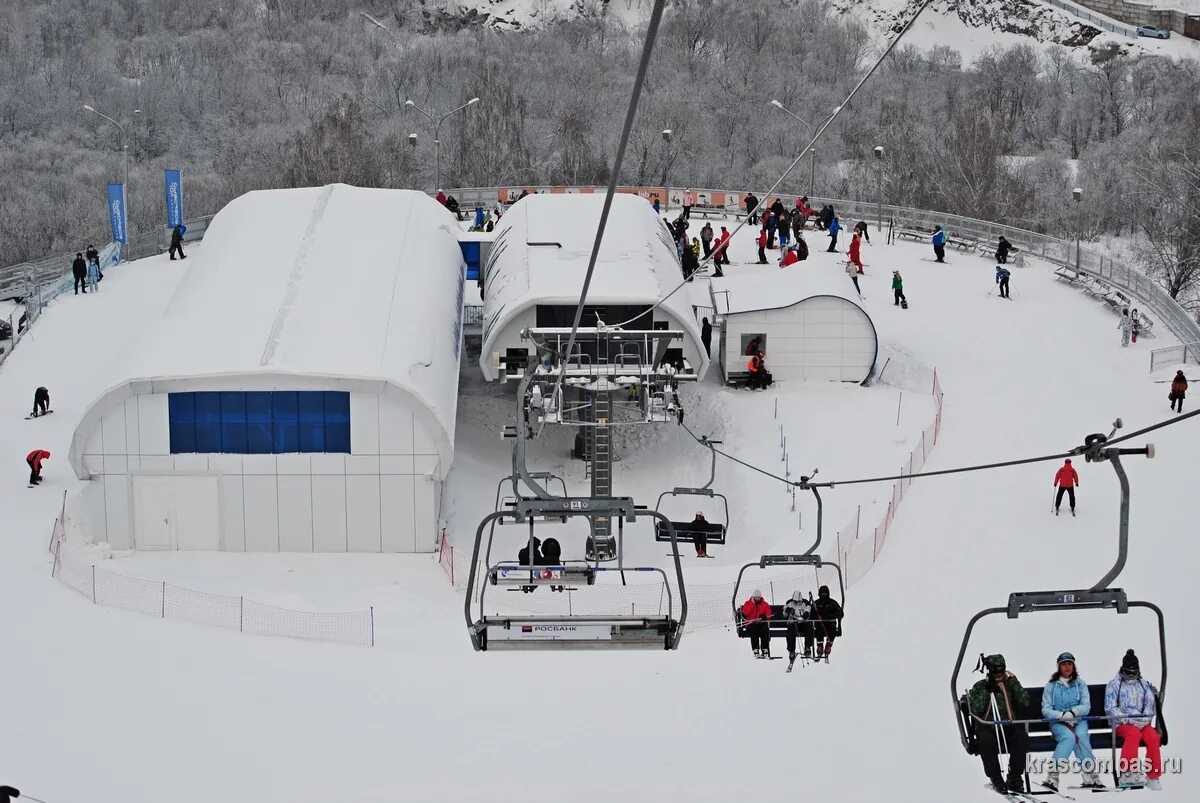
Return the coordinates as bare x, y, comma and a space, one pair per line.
1166, 422
705, 263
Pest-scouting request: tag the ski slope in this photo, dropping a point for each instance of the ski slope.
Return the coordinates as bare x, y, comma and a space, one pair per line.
105, 705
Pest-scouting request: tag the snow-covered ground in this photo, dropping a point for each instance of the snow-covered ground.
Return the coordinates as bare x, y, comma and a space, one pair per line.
105, 705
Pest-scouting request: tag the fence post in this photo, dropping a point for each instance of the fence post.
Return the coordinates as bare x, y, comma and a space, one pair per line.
451, 565
164, 599
372, 611
93, 584
857, 522
241, 614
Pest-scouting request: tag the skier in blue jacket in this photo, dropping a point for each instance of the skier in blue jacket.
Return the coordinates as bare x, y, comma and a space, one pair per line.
939, 244
834, 228
1002, 276
1066, 704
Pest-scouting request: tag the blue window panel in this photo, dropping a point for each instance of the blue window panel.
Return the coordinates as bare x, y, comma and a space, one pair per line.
284, 415
233, 423
181, 421
208, 422
312, 421
337, 422
260, 437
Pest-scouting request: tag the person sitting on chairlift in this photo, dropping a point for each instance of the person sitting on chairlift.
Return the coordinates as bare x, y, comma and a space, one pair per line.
1129, 704
827, 613
523, 559
1000, 697
798, 613
1066, 704
760, 377
551, 556
700, 535
757, 613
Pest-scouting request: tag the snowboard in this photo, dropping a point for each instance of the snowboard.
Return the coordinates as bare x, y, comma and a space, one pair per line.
31, 416
947, 262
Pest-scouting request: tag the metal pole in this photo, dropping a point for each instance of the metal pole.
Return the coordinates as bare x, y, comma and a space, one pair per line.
437, 159
812, 172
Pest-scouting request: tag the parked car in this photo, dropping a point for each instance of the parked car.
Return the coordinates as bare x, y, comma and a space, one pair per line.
1153, 32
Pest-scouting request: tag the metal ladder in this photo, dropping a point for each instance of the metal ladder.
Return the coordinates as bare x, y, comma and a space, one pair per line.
605, 545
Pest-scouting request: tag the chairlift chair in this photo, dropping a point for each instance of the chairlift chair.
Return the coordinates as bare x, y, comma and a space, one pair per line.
522, 631
778, 625
687, 531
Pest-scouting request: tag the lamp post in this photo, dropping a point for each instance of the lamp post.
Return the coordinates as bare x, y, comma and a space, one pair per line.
412, 141
124, 138
879, 202
1077, 194
437, 129
666, 135
812, 152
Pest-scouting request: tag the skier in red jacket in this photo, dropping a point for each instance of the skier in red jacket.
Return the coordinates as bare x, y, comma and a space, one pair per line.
790, 257
762, 245
1066, 479
34, 459
757, 613
856, 251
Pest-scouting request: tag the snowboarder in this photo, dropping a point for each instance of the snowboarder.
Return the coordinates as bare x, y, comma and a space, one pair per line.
756, 612
1126, 327
760, 377
898, 290
856, 251
998, 697
79, 271
706, 336
700, 535
826, 613
752, 208
1066, 704
798, 612
177, 243
833, 229
689, 198
93, 258
1178, 391
720, 257
852, 272
1002, 276
862, 228
790, 257
762, 246
1066, 479
1129, 704
41, 401
34, 460
1002, 250
706, 238
939, 244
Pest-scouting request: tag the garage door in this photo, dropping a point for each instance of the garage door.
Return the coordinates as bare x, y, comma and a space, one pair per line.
177, 512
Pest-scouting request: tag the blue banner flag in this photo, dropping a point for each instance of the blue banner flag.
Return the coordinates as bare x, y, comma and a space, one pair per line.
117, 214
174, 182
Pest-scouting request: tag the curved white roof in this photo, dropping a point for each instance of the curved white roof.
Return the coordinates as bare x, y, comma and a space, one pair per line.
775, 288
323, 285
541, 252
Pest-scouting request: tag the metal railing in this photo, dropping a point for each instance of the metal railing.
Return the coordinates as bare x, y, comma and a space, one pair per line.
1183, 354
1098, 20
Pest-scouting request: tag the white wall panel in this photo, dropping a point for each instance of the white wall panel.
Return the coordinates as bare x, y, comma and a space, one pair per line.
112, 431
362, 513
233, 529
133, 438
295, 514
191, 462
196, 503
157, 463
329, 513
294, 463
262, 464
225, 463
117, 515
362, 464
364, 423
396, 464
328, 464
397, 512
425, 495
426, 464
153, 430
395, 428
115, 464
261, 504
423, 443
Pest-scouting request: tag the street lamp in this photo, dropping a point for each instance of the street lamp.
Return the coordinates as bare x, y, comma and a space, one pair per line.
812, 152
124, 138
437, 142
879, 203
1077, 194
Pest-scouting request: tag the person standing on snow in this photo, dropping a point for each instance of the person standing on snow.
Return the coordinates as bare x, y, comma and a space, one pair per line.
1002, 276
856, 251
898, 289
939, 244
770, 222
1129, 704
34, 461
797, 612
41, 401
1002, 250
1178, 391
1066, 704
852, 272
689, 199
656, 206
177, 242
1066, 479
93, 258
1000, 697
706, 336
79, 271
706, 238
756, 612
720, 256
833, 228
1126, 327
752, 208
783, 224
826, 614
762, 246
689, 261
1137, 324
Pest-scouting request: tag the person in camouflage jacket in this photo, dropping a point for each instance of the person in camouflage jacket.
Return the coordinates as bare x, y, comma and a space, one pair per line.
1012, 702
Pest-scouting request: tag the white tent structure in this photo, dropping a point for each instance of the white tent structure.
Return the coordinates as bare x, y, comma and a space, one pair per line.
299, 394
806, 319
538, 262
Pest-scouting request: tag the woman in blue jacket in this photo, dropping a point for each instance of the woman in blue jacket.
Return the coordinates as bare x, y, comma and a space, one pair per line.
1066, 704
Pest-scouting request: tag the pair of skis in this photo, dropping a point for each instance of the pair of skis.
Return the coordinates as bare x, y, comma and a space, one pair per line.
808, 659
